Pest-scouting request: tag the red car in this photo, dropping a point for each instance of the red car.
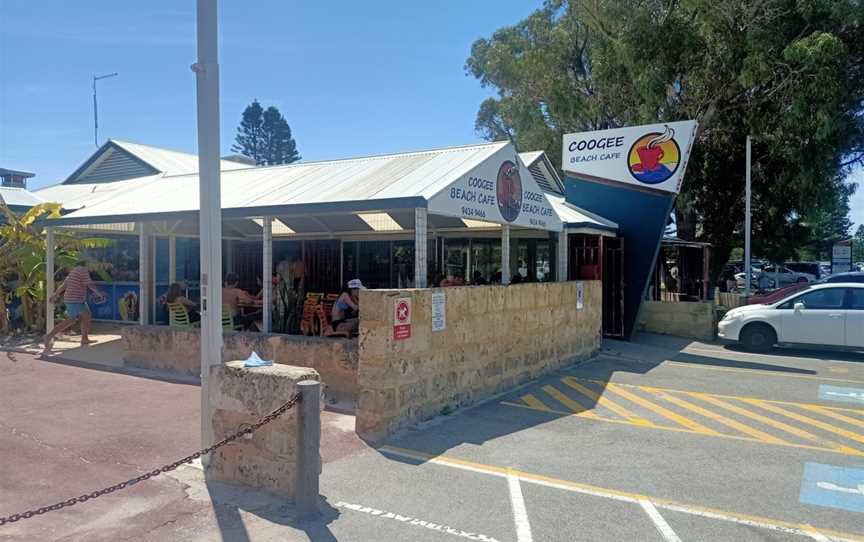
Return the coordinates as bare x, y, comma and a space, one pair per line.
777, 295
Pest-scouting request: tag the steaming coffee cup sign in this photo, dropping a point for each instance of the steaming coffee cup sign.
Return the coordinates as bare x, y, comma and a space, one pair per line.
654, 157
402, 318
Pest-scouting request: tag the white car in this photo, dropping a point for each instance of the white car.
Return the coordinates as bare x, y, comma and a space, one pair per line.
778, 276
830, 314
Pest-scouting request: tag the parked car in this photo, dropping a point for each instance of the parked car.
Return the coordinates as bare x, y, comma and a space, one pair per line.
778, 276
767, 299
808, 268
828, 314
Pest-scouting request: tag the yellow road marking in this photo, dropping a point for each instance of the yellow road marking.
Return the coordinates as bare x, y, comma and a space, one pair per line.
598, 491
759, 371
849, 451
830, 414
603, 401
534, 403
773, 423
734, 424
804, 419
858, 411
665, 412
576, 407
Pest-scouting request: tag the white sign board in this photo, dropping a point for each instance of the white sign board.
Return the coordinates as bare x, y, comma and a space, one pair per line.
499, 190
841, 258
439, 311
650, 156
580, 295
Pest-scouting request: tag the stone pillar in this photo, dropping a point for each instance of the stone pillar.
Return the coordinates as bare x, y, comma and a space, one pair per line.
49, 277
144, 278
505, 254
267, 274
420, 256
563, 251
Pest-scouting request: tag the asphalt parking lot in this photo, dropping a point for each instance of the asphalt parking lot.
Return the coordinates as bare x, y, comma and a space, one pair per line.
660, 440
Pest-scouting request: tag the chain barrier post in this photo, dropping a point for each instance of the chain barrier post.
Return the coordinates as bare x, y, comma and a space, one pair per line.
308, 449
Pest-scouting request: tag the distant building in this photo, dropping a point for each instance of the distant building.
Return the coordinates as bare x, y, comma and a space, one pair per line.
10, 178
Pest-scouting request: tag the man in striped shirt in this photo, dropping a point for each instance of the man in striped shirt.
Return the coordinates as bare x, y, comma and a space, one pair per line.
74, 291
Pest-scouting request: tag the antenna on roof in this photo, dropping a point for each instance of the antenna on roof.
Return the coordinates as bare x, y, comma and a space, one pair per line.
95, 108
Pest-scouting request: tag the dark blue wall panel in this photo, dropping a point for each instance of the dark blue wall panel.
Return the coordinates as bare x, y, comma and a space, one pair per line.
641, 218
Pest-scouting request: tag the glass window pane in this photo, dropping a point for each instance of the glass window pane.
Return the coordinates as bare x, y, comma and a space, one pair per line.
456, 260
374, 264
829, 298
403, 264
857, 299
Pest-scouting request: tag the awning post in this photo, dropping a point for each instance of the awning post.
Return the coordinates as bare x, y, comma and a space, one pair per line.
420, 248
505, 254
563, 249
267, 274
49, 277
172, 259
143, 274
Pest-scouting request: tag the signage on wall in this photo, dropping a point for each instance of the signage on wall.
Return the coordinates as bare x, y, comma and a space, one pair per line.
402, 318
439, 311
651, 156
500, 190
841, 257
580, 295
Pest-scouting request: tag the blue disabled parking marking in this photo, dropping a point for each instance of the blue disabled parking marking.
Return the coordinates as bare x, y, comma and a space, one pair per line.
845, 395
834, 487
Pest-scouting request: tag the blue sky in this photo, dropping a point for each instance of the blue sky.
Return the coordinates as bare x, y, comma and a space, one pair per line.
352, 78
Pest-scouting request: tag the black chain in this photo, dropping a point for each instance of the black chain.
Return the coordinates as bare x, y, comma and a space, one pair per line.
157, 471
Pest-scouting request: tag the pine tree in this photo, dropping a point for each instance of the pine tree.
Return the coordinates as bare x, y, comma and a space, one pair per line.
264, 136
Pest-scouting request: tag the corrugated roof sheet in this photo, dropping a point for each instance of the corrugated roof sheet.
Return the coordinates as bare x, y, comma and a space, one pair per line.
575, 216
168, 161
19, 197
406, 175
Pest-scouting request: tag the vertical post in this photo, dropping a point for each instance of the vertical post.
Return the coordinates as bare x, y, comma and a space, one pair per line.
172, 259
505, 254
210, 218
267, 274
747, 225
308, 448
49, 277
562, 255
143, 274
420, 248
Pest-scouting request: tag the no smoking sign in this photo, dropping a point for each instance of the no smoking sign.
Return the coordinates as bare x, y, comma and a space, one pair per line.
402, 318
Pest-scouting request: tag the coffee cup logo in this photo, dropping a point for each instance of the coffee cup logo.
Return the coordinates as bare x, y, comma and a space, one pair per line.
509, 191
654, 157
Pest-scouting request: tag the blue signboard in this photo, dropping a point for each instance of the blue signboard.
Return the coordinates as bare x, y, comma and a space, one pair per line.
101, 307
834, 487
845, 395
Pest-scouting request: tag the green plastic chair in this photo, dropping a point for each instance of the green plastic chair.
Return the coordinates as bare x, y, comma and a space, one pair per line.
178, 316
228, 319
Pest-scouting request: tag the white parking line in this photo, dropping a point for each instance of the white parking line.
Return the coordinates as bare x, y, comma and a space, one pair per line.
520, 514
659, 522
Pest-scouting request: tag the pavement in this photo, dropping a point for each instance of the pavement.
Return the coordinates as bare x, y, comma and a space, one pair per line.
659, 439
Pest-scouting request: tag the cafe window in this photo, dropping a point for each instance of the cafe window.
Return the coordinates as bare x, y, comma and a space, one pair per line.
456, 259
402, 274
118, 261
374, 264
485, 261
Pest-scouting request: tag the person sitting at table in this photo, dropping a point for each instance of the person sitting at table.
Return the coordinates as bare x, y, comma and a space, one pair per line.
234, 297
176, 294
346, 309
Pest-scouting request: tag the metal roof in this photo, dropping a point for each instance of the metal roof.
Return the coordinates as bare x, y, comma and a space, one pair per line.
17, 173
375, 182
19, 197
541, 169
576, 217
168, 161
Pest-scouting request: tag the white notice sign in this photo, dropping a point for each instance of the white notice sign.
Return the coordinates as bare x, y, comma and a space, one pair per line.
439, 311
580, 295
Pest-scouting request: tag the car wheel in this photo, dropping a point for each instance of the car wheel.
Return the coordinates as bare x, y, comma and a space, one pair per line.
803, 279
758, 337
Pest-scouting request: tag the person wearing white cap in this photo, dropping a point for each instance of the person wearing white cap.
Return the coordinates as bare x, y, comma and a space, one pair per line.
346, 309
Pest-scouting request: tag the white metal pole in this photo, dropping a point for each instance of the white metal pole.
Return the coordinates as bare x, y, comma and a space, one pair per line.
210, 219
505, 254
747, 225
562, 255
143, 274
267, 274
172, 259
49, 277
421, 279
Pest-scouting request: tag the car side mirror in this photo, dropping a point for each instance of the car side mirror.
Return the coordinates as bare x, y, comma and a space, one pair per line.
798, 307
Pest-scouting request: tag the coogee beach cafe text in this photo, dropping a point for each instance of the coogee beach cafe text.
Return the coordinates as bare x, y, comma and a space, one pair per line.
603, 143
480, 198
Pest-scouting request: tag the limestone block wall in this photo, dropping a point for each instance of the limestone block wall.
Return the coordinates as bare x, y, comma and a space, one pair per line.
685, 319
178, 350
496, 337
239, 397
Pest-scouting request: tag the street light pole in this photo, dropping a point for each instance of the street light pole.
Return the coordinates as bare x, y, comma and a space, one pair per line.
96, 108
210, 216
747, 225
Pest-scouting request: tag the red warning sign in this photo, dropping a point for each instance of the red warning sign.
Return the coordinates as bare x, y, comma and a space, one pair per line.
402, 318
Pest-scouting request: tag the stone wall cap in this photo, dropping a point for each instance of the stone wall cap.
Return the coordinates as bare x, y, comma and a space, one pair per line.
277, 369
